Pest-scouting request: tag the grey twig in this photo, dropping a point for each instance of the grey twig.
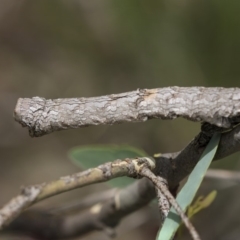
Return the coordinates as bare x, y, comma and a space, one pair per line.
160, 185
218, 106
102, 215
87, 202
171, 166
33, 194
223, 175
163, 204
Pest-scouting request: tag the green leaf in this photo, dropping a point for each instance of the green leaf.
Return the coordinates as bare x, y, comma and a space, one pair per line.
201, 203
95, 155
189, 190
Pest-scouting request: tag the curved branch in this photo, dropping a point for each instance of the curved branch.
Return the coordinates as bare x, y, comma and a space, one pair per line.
107, 171
101, 216
172, 166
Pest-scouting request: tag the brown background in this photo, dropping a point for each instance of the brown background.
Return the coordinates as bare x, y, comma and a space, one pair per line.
77, 48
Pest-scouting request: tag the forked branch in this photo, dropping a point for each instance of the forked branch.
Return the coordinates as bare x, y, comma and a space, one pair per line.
107, 171
128, 167
161, 185
171, 166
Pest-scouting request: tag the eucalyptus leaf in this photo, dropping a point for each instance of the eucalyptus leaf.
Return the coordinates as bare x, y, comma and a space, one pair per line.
187, 193
94, 155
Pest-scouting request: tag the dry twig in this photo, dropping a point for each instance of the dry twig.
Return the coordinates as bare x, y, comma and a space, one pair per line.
171, 166
160, 184
33, 194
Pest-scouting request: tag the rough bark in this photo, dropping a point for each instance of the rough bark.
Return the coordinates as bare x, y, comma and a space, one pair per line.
218, 106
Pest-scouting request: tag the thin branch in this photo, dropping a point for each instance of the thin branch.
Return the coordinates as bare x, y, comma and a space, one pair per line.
108, 214
218, 106
85, 203
163, 204
223, 175
171, 166
161, 185
33, 194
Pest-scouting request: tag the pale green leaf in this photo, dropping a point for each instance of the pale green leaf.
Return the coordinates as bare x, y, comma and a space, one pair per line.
189, 190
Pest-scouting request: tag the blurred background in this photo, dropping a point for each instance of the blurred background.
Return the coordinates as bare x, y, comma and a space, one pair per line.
77, 48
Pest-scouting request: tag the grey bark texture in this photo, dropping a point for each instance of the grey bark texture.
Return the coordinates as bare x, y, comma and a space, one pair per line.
217, 106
